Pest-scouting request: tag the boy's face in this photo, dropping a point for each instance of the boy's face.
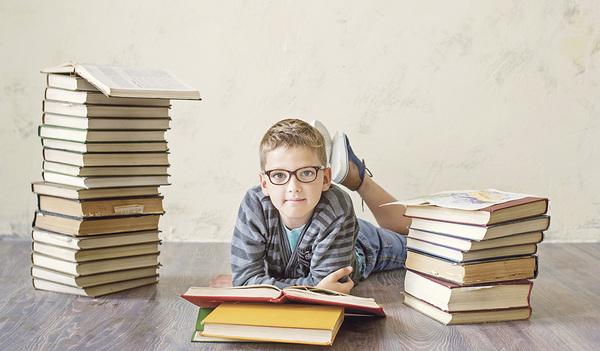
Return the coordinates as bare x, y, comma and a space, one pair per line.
294, 200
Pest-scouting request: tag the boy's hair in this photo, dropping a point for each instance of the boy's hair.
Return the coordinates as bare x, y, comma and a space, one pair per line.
292, 133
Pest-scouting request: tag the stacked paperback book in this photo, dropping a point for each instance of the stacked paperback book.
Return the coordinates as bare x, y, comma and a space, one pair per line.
105, 154
265, 313
471, 255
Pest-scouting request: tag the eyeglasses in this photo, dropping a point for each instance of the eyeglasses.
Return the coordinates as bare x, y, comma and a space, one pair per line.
304, 175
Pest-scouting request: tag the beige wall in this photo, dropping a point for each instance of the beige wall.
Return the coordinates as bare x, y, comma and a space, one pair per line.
434, 95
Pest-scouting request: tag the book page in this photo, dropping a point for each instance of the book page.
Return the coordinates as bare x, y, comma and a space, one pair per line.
241, 291
135, 78
328, 295
464, 199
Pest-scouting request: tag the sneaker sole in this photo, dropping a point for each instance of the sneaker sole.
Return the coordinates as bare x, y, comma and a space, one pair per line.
339, 158
325, 133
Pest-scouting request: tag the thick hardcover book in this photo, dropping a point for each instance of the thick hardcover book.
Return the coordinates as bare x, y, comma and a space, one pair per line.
104, 171
452, 254
86, 135
88, 281
475, 272
113, 111
129, 81
74, 192
466, 244
105, 181
108, 123
65, 80
480, 207
288, 323
449, 318
93, 96
93, 291
77, 226
478, 232
212, 297
451, 297
94, 241
101, 207
86, 255
125, 146
107, 159
93, 267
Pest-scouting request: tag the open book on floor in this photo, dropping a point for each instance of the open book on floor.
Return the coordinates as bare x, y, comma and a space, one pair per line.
212, 297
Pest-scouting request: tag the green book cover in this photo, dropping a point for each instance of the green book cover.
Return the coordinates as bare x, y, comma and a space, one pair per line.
198, 337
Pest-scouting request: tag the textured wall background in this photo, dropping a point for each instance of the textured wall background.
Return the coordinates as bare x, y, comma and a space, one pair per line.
435, 95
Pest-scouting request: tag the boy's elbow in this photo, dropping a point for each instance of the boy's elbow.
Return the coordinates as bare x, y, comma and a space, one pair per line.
236, 282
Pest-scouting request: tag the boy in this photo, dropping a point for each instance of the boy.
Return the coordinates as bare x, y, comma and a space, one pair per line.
297, 228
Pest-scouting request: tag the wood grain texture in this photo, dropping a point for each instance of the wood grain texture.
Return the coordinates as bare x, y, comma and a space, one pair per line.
565, 301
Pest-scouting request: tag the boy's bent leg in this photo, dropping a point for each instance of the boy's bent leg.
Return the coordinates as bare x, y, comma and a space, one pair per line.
380, 249
388, 217
348, 170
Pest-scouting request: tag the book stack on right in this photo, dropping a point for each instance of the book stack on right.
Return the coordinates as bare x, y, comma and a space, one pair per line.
96, 227
471, 255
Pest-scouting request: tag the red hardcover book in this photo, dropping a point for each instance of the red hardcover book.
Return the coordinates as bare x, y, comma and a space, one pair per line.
475, 272
451, 297
212, 297
468, 317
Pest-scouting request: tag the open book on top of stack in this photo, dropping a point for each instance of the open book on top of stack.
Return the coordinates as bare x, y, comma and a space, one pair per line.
296, 314
476, 240
213, 297
105, 155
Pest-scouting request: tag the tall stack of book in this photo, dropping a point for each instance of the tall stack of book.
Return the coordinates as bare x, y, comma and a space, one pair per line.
471, 255
105, 156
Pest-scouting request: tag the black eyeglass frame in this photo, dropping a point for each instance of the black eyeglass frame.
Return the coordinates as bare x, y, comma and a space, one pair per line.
295, 173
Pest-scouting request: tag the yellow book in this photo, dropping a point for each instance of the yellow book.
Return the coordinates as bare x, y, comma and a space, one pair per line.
289, 323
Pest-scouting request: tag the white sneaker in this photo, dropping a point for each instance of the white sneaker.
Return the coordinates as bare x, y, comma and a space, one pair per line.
328, 144
339, 158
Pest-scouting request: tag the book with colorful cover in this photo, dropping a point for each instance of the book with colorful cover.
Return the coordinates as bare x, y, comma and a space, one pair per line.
478, 207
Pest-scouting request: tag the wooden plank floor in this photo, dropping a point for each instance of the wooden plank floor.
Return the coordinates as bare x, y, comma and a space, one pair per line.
565, 301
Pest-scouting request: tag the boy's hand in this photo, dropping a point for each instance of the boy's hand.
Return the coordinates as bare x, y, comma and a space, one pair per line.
221, 281
335, 282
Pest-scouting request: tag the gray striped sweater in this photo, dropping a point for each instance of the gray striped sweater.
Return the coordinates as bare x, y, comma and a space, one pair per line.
260, 250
